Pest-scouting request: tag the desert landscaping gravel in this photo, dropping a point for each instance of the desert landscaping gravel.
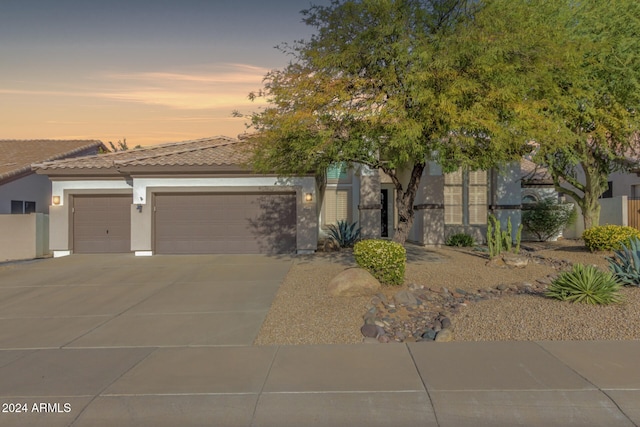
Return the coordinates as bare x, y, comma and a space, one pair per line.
303, 313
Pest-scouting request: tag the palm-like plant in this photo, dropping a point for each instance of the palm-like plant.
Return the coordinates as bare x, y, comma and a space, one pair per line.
586, 284
344, 234
625, 263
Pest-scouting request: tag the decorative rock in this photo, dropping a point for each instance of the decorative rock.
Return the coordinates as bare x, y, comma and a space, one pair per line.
515, 261
383, 339
369, 331
405, 298
429, 335
444, 335
353, 282
445, 322
502, 287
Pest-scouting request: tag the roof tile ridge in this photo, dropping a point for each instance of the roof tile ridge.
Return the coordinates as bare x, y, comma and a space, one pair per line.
215, 142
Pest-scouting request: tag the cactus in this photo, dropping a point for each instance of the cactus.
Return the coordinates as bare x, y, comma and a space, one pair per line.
499, 240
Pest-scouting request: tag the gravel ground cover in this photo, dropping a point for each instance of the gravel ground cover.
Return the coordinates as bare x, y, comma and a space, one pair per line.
303, 313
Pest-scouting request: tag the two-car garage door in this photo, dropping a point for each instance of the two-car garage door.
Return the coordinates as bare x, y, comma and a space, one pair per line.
225, 223
187, 223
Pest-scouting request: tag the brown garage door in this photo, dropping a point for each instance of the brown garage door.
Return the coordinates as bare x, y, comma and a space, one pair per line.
225, 223
102, 224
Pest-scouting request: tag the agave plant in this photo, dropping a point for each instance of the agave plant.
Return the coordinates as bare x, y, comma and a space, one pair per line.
625, 263
586, 284
344, 234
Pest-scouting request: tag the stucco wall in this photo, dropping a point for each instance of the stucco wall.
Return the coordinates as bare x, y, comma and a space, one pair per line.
32, 188
23, 236
612, 211
142, 190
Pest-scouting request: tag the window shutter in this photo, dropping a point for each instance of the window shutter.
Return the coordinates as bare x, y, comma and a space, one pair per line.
336, 206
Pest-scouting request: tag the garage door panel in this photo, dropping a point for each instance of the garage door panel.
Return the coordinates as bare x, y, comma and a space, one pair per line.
102, 224
225, 223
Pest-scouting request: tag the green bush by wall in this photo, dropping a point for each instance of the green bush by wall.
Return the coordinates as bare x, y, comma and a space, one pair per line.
608, 237
385, 260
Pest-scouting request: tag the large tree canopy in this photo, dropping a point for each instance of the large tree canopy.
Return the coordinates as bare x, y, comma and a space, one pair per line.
593, 100
393, 84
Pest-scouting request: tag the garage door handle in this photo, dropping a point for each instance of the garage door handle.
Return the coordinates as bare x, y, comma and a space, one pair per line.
107, 231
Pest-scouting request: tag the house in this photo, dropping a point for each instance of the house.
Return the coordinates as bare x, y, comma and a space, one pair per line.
185, 197
446, 203
24, 192
199, 197
21, 189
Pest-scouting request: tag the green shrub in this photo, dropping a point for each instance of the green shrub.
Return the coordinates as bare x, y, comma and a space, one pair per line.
625, 263
608, 237
385, 260
460, 240
344, 234
547, 218
585, 284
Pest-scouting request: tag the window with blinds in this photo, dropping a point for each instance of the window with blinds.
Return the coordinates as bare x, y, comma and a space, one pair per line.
465, 198
336, 206
477, 188
453, 197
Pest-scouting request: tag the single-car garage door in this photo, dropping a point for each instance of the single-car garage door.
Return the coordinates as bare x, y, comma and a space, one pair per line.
225, 223
102, 224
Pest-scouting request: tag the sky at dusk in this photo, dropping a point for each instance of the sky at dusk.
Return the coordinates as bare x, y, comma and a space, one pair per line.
150, 71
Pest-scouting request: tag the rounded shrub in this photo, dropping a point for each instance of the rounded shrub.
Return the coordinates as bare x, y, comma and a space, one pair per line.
460, 240
608, 237
385, 260
546, 218
586, 284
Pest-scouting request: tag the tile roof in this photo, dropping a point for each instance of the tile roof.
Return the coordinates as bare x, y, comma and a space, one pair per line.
214, 151
532, 173
16, 156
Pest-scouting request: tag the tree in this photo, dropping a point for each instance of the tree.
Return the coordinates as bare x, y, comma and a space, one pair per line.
121, 145
392, 84
594, 99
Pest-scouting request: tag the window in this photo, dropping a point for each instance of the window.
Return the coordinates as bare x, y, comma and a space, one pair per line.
22, 207
608, 193
337, 172
465, 198
336, 206
529, 199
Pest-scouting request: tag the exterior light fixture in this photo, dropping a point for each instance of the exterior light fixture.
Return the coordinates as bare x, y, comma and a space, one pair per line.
308, 197
56, 200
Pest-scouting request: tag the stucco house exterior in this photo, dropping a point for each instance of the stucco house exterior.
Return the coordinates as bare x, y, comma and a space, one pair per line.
199, 197
186, 197
25, 196
446, 203
21, 189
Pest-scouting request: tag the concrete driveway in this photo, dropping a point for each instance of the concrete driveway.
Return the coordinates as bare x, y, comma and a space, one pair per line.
94, 301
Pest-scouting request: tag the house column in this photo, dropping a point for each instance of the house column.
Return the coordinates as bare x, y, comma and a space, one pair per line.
506, 200
369, 207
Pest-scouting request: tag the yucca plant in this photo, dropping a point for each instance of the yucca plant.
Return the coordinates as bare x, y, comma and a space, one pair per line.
586, 284
344, 234
625, 263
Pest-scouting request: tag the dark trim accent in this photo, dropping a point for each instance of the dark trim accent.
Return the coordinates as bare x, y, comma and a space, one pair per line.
370, 207
505, 207
424, 206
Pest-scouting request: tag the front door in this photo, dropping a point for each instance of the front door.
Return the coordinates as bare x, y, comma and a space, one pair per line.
384, 213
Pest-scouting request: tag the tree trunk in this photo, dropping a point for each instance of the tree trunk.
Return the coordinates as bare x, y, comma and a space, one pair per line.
404, 203
590, 207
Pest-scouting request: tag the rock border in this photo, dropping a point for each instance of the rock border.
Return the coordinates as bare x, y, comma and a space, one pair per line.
422, 314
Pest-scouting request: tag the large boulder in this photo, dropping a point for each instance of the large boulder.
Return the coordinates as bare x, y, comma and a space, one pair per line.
353, 282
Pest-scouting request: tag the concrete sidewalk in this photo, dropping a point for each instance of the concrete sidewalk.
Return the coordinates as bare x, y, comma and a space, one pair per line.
419, 384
